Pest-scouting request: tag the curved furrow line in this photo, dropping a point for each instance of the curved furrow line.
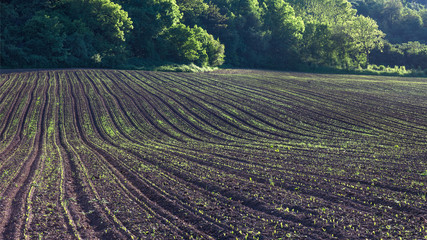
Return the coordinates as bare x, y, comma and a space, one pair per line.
14, 132
128, 195
148, 111
277, 122
218, 184
174, 197
142, 114
376, 117
64, 195
240, 173
202, 123
231, 119
92, 215
145, 188
221, 121
271, 128
202, 119
180, 123
106, 154
12, 223
14, 159
26, 209
177, 110
280, 113
103, 154
168, 202
141, 85
100, 216
285, 147
226, 90
85, 209
127, 119
149, 199
103, 98
9, 84
256, 152
35, 194
295, 119
84, 213
4, 78
104, 120
13, 108
228, 162
328, 125
108, 92
294, 97
7, 81
312, 93
213, 113
353, 123
113, 166
240, 92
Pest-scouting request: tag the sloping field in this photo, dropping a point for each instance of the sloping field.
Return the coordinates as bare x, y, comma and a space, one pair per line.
87, 154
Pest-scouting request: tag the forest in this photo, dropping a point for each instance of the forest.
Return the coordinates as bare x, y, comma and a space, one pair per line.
274, 34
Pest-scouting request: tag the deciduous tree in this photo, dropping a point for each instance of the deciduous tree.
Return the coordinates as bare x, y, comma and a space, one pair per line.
365, 34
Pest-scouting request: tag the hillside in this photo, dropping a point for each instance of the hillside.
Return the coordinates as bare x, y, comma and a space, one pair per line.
231, 154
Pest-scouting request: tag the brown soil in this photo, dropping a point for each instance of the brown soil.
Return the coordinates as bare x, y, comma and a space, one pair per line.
246, 154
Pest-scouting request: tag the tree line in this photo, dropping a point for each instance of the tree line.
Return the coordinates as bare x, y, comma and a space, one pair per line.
405, 24
285, 34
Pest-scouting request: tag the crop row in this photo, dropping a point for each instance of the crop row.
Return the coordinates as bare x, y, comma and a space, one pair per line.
222, 155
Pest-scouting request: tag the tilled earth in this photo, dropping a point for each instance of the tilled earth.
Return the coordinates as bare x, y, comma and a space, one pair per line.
230, 154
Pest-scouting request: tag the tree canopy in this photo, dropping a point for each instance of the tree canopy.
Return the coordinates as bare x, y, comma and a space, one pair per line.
285, 34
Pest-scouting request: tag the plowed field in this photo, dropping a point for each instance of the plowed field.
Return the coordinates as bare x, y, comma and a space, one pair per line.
232, 154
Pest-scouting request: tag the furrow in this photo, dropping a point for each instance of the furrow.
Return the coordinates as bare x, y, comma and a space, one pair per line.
14, 159
102, 216
12, 223
338, 102
229, 119
13, 106
180, 118
9, 84
217, 129
147, 110
146, 189
291, 110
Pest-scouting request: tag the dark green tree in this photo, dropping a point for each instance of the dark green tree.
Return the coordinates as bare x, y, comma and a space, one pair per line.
285, 30
192, 45
12, 53
150, 19
104, 23
44, 40
206, 15
365, 35
211, 48
326, 41
181, 44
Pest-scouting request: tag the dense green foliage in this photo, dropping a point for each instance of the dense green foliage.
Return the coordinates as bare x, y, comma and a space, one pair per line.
286, 34
405, 26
